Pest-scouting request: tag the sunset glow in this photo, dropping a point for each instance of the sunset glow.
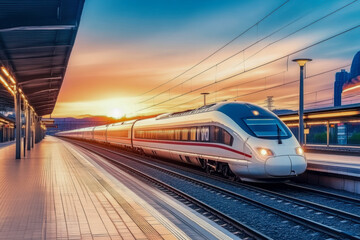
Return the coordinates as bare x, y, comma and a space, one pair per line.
137, 66
116, 113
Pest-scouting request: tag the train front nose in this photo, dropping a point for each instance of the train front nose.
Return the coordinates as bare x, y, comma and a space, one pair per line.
281, 166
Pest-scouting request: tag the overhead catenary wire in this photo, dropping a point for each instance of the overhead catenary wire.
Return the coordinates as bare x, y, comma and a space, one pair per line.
256, 42
288, 83
222, 61
273, 87
304, 27
324, 101
259, 66
221, 48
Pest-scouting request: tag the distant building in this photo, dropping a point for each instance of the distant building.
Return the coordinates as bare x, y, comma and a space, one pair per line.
345, 80
340, 79
355, 66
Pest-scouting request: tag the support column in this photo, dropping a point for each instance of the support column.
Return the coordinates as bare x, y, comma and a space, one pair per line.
18, 125
37, 130
301, 107
32, 129
25, 132
28, 129
327, 134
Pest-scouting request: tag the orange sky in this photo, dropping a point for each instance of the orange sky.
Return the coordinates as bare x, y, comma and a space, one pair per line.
110, 68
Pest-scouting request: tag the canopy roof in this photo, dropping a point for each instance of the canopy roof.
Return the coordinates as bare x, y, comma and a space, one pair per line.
36, 39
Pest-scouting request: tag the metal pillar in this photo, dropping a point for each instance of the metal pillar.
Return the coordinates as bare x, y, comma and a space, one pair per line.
301, 62
32, 129
25, 130
37, 130
301, 107
204, 94
18, 124
327, 134
28, 129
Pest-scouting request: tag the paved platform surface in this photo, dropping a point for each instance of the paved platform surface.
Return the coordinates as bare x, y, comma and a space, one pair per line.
334, 163
51, 194
336, 149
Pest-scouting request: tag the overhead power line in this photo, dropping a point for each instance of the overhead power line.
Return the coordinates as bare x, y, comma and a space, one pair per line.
263, 90
251, 45
259, 66
219, 49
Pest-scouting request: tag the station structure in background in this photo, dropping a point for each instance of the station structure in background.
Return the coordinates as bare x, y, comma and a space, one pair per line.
36, 40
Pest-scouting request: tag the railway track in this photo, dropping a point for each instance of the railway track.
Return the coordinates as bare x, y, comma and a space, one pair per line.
234, 226
345, 199
318, 227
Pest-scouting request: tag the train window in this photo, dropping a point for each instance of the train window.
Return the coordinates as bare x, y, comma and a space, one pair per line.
215, 135
124, 133
177, 134
228, 139
220, 135
198, 134
118, 133
193, 134
262, 127
139, 134
184, 134
205, 135
170, 134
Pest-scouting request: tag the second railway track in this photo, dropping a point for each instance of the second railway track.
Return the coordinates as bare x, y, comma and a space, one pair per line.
317, 230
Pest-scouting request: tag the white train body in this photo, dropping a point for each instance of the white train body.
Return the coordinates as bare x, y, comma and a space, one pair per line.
247, 139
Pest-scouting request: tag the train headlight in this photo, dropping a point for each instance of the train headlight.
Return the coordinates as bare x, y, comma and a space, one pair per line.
299, 151
265, 152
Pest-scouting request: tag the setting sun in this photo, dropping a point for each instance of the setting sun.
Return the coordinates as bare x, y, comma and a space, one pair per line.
116, 113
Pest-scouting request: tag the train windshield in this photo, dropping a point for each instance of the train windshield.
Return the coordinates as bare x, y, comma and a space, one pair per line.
266, 127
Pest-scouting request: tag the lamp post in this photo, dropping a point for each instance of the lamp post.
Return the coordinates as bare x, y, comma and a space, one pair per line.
204, 94
301, 62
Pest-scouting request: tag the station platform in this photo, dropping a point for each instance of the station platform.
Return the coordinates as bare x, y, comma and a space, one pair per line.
334, 149
334, 163
332, 169
50, 194
59, 192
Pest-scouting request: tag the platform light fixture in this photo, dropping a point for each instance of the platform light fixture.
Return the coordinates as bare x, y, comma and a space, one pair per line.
6, 85
4, 82
7, 74
3, 69
12, 88
301, 62
323, 115
351, 88
336, 114
12, 80
22, 94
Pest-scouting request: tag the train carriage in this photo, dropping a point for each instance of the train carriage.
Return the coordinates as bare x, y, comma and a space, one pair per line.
119, 134
232, 138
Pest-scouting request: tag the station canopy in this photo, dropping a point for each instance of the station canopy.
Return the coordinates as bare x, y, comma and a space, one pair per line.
36, 39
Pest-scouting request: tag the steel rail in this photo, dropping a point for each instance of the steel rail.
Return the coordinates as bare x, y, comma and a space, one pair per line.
229, 220
291, 217
328, 194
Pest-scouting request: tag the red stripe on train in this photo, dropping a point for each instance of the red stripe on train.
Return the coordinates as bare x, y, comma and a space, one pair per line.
195, 144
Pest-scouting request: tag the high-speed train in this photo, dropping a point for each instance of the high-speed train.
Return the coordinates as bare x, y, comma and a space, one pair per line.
234, 138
